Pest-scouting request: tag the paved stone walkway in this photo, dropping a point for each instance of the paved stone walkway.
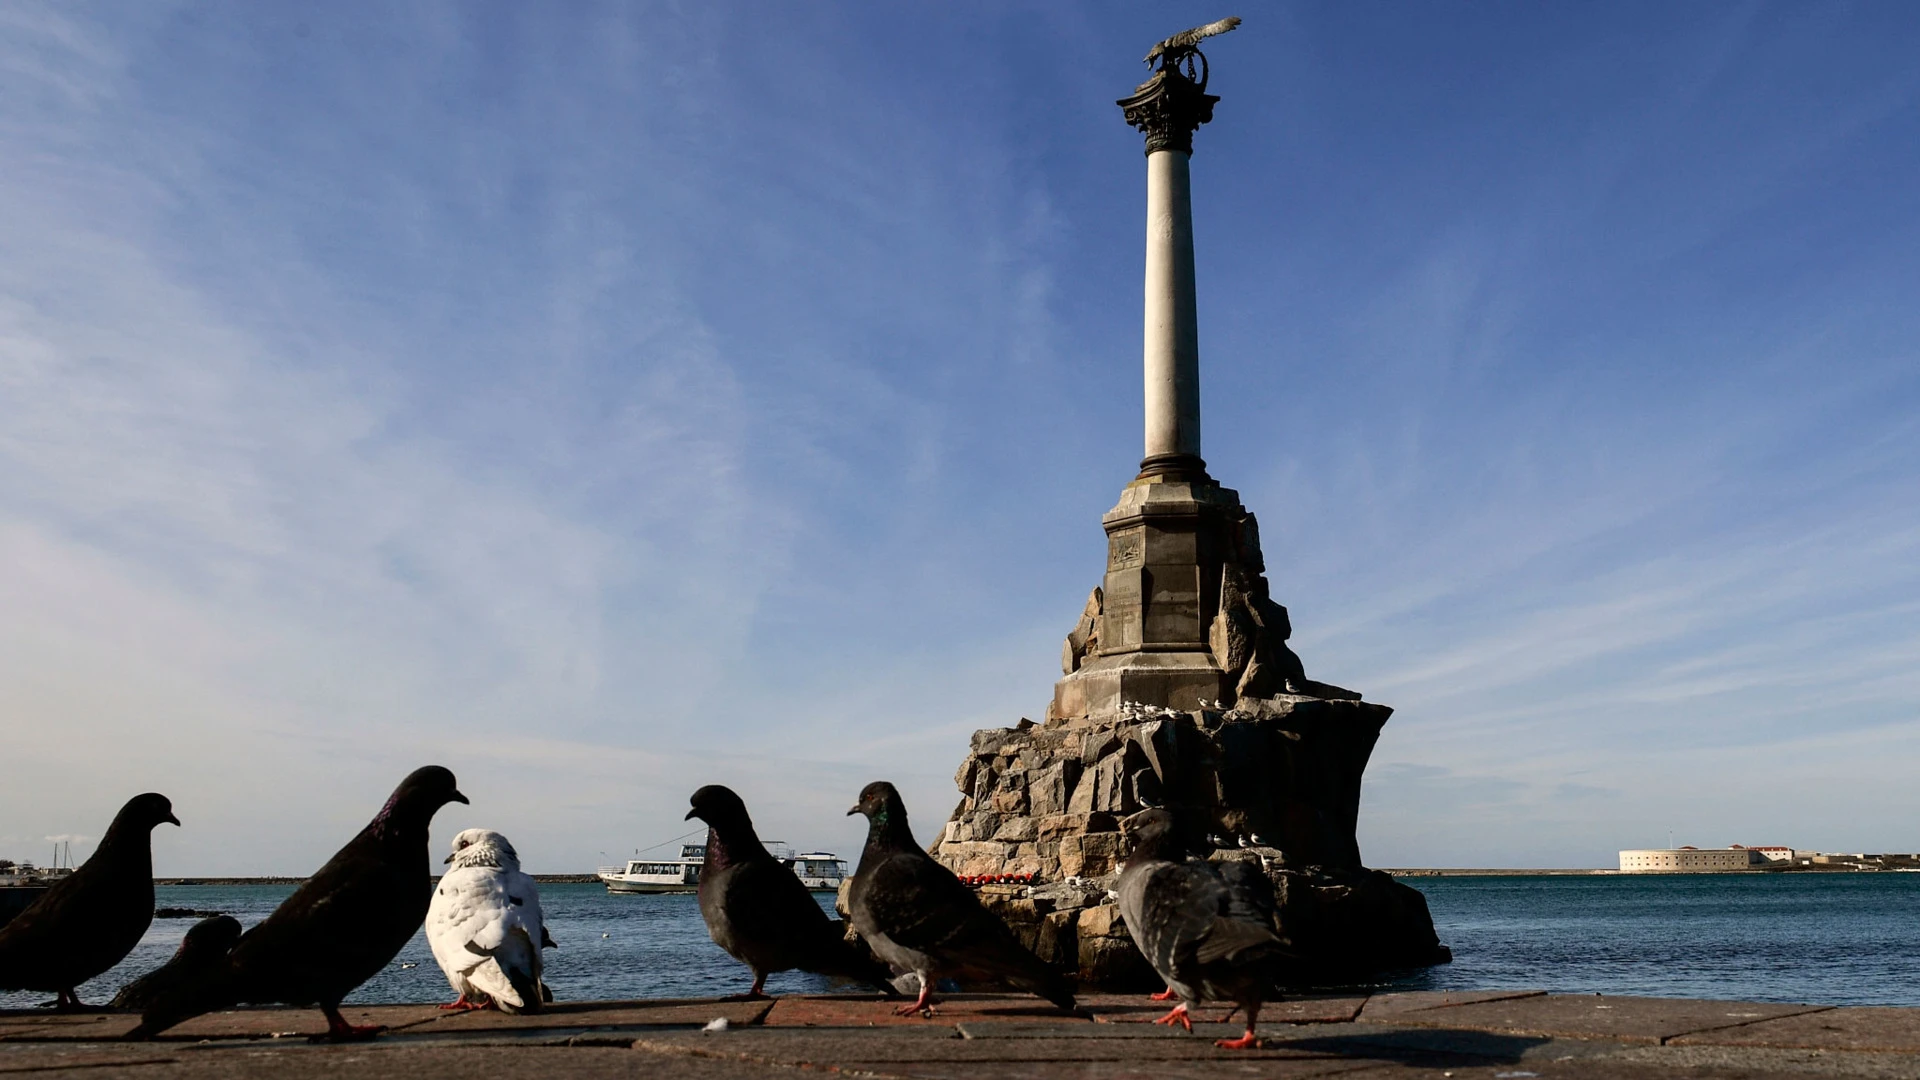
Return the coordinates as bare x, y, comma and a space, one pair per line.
1497, 1035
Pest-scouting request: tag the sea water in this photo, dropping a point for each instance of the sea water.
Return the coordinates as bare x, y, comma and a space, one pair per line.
1838, 939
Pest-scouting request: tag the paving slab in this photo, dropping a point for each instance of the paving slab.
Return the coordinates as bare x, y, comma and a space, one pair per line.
1856, 1028
1492, 1035
282, 1022
70, 1027
1138, 1008
859, 1052
1595, 1016
839, 1046
607, 1015
1382, 1008
871, 1011
286, 1061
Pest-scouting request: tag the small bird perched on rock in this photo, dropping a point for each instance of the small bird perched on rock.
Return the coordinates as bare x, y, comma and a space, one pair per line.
486, 928
204, 949
349, 920
917, 916
92, 918
759, 912
1207, 928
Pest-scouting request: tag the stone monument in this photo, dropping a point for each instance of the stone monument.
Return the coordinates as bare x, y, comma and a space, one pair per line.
1178, 686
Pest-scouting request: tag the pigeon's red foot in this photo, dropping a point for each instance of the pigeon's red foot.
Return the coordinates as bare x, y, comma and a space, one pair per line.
338, 1030
922, 1004
459, 1004
1164, 995
1247, 1041
757, 993
1244, 1042
1177, 1016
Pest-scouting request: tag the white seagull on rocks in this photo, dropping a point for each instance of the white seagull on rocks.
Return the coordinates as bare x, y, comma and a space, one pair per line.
485, 926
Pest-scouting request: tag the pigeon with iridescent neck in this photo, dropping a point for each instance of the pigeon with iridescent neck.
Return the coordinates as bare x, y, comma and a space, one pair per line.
918, 917
92, 918
759, 912
1207, 928
338, 929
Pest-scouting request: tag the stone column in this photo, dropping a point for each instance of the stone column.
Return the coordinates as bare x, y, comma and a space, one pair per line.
1172, 342
1167, 108
1147, 634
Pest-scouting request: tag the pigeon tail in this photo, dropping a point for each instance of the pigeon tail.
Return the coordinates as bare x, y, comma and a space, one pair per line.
846, 961
1048, 984
509, 974
208, 990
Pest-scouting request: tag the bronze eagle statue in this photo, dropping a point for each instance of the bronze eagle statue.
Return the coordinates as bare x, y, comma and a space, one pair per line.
1177, 47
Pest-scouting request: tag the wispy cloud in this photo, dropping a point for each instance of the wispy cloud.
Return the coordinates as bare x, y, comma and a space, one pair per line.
612, 400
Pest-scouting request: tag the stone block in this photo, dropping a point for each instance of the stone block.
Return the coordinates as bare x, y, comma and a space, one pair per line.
990, 741
1110, 790
1090, 854
1081, 801
981, 825
1056, 826
1097, 744
969, 770
1057, 942
1050, 789
1102, 920
1010, 801
1017, 830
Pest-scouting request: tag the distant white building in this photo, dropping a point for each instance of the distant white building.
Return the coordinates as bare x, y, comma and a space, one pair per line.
1689, 860
1772, 853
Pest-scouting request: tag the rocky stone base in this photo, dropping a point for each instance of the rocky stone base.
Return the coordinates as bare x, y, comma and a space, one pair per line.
1273, 780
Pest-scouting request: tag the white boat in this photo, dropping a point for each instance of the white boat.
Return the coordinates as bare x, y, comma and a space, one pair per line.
820, 871
681, 875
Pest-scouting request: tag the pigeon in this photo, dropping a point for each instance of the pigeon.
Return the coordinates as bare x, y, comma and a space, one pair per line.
917, 916
1207, 928
92, 918
486, 928
204, 949
757, 910
346, 922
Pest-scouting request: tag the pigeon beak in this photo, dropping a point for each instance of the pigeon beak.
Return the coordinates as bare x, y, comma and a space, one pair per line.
689, 816
457, 797
855, 810
173, 819
446, 860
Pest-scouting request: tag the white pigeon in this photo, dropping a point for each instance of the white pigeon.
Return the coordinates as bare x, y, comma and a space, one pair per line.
485, 926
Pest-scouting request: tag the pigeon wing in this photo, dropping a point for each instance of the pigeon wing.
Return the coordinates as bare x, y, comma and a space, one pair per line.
1189, 38
465, 904
1173, 913
336, 931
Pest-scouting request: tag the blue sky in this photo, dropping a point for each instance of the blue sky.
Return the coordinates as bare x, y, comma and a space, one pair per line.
606, 400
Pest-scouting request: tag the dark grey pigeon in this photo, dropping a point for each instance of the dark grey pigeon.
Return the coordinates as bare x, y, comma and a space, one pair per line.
204, 949
92, 918
918, 917
1207, 928
348, 921
758, 911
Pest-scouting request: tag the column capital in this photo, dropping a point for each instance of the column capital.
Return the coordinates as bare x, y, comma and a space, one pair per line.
1170, 106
